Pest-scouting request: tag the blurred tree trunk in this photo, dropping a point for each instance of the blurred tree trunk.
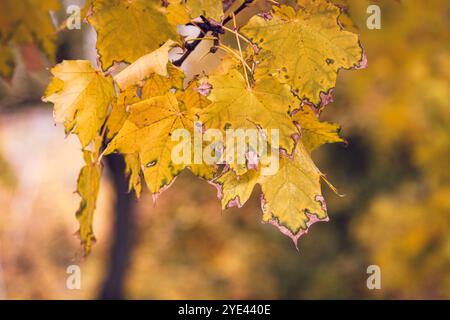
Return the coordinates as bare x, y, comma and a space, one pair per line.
122, 231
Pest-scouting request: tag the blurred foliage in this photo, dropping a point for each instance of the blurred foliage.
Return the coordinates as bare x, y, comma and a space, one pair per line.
398, 113
24, 23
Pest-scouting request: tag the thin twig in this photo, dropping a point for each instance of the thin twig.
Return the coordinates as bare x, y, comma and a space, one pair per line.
240, 50
100, 157
239, 9
239, 35
226, 49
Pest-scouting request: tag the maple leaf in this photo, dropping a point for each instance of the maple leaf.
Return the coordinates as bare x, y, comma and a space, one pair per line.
127, 30
138, 71
291, 199
308, 46
315, 133
265, 105
81, 96
87, 187
177, 13
147, 132
208, 8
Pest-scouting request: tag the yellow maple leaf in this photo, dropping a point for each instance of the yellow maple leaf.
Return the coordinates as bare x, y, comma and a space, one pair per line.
151, 63
308, 46
147, 132
315, 133
265, 105
208, 8
87, 187
177, 13
291, 199
81, 96
129, 29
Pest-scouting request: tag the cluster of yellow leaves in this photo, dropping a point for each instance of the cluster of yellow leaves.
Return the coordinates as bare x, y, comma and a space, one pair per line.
136, 111
300, 50
147, 133
265, 104
25, 22
289, 198
140, 126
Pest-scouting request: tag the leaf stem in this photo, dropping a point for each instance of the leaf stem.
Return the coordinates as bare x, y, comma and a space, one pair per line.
226, 49
239, 9
239, 35
236, 33
100, 157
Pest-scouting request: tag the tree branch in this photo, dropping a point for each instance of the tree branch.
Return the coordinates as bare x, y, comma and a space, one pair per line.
236, 12
205, 27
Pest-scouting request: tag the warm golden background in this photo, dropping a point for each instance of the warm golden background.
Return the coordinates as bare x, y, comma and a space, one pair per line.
394, 173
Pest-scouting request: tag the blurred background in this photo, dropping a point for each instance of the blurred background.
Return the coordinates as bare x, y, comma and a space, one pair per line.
394, 173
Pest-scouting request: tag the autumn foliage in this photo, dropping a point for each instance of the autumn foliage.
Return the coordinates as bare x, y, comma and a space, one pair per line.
393, 168
279, 74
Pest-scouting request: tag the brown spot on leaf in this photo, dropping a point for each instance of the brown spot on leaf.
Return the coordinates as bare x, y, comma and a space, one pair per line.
151, 164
